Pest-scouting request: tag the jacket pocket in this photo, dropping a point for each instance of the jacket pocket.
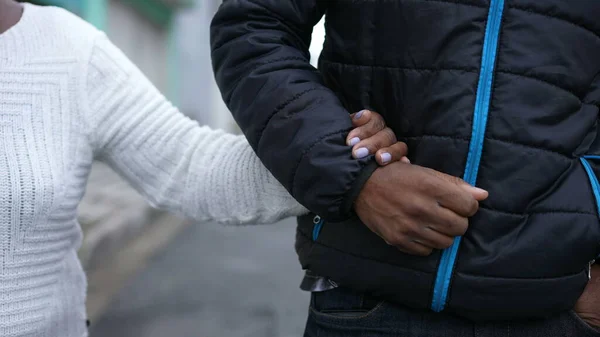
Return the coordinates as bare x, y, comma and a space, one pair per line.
341, 304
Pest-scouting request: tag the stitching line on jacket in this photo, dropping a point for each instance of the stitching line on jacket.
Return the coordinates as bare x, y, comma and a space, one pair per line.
539, 79
236, 86
465, 69
362, 257
451, 2
455, 2
539, 212
521, 278
534, 147
280, 107
566, 19
286, 58
306, 151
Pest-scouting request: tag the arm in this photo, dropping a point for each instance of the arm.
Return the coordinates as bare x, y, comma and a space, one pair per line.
176, 164
293, 121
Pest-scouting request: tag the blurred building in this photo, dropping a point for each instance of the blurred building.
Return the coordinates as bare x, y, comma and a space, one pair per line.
199, 95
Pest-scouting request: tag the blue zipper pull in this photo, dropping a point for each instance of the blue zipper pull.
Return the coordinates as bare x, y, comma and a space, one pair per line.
318, 222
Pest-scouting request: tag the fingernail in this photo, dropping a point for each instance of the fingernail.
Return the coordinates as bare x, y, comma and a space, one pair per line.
477, 189
359, 114
386, 157
354, 141
362, 152
405, 160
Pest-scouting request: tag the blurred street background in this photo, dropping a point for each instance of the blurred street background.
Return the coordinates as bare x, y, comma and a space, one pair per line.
150, 273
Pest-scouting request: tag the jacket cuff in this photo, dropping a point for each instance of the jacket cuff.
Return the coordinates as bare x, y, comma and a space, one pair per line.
364, 175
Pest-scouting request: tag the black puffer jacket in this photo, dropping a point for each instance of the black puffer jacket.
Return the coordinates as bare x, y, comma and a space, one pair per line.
503, 93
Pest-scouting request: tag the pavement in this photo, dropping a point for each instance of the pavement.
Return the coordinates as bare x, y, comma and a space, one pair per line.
205, 281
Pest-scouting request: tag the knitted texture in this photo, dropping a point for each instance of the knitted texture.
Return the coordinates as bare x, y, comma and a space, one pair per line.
67, 96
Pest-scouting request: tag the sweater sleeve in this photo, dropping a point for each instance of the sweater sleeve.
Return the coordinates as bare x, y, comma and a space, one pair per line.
173, 162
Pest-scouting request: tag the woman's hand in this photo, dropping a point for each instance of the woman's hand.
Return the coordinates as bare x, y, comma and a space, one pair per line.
371, 136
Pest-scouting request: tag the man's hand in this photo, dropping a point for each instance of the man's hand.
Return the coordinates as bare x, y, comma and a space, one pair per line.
588, 305
417, 209
371, 136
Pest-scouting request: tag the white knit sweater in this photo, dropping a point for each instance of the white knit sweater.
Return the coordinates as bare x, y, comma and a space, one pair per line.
67, 96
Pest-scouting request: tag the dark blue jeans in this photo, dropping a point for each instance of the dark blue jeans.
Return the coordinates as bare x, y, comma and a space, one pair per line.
343, 313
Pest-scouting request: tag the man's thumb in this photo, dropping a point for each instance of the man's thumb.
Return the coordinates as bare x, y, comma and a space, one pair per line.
477, 193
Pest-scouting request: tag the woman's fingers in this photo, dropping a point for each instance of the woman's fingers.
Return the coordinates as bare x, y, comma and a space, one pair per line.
391, 154
366, 124
371, 136
382, 139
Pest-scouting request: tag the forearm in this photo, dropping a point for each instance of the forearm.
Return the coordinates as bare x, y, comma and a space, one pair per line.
296, 125
177, 165
204, 174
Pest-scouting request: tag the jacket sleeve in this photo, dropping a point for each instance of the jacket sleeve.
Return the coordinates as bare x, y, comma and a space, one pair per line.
296, 125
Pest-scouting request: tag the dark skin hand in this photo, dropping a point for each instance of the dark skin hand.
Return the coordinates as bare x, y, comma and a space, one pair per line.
588, 306
10, 14
372, 136
415, 208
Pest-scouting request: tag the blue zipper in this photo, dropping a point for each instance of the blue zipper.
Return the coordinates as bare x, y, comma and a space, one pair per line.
593, 179
318, 224
480, 115
595, 189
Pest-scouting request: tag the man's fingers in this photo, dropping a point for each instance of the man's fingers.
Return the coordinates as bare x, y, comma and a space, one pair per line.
382, 139
414, 247
460, 202
431, 238
446, 222
396, 152
456, 195
477, 193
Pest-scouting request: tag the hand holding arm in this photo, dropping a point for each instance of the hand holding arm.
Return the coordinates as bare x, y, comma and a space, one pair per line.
180, 166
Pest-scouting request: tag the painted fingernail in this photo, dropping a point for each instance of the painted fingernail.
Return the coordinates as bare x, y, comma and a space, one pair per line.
359, 114
362, 152
386, 157
354, 141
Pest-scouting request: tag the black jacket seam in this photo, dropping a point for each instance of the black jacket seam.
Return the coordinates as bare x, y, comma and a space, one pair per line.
285, 58
539, 79
306, 151
539, 212
565, 19
279, 108
521, 278
362, 257
386, 67
236, 85
466, 139
450, 2
456, 2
